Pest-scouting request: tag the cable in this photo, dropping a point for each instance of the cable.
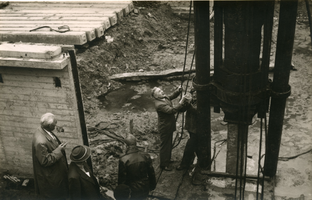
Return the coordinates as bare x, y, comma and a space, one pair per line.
183, 113
259, 158
263, 171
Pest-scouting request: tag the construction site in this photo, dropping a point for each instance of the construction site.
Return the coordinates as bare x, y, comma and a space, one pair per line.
93, 65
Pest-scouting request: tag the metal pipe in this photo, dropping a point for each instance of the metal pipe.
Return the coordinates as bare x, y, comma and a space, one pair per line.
280, 87
202, 56
309, 17
218, 36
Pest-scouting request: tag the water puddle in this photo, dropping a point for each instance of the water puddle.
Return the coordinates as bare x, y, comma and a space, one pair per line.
134, 97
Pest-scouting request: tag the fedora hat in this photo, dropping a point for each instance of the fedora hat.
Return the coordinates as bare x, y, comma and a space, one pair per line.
80, 153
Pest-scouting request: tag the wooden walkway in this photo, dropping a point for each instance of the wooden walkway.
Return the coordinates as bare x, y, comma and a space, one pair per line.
86, 20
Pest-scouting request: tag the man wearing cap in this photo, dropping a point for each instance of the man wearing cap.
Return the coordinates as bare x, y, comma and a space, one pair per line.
49, 161
166, 123
136, 171
82, 183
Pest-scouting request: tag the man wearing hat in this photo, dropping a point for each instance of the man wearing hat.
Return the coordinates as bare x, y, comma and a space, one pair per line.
82, 183
136, 170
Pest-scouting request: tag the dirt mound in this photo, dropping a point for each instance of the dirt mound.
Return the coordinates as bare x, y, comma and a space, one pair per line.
142, 41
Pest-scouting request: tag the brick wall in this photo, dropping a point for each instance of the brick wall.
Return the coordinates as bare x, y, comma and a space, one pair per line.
26, 94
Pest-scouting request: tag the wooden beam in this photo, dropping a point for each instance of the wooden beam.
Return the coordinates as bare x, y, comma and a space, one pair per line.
54, 14
138, 76
105, 22
34, 63
26, 51
74, 38
110, 4
90, 32
98, 28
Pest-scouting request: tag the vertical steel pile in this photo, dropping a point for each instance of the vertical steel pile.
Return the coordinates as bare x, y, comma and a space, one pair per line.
240, 84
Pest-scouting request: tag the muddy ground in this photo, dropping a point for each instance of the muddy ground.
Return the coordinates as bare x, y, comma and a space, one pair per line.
154, 39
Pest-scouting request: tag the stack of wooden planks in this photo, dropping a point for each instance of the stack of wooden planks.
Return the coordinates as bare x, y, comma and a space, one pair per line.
22, 21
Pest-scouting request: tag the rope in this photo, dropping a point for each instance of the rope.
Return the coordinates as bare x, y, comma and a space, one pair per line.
185, 56
183, 113
51, 29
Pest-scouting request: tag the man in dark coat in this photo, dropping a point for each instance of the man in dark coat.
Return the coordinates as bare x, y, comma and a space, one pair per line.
166, 123
190, 126
82, 183
49, 161
136, 171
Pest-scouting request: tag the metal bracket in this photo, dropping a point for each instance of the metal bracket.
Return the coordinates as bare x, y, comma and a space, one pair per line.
284, 94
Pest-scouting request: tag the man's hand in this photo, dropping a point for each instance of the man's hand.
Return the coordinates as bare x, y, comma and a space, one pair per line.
184, 100
180, 88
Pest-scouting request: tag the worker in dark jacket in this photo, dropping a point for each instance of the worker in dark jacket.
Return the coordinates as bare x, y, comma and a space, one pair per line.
166, 123
190, 126
82, 183
136, 171
49, 161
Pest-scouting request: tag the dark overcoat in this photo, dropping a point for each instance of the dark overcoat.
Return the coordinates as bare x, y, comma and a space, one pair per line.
191, 117
50, 166
136, 171
165, 111
81, 186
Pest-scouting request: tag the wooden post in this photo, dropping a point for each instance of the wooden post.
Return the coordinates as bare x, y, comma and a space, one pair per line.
79, 102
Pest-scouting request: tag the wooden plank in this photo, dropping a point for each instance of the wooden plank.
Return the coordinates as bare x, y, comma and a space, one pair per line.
112, 18
97, 3
53, 14
74, 38
90, 32
46, 5
98, 29
105, 23
56, 18
138, 76
33, 63
66, 11
27, 51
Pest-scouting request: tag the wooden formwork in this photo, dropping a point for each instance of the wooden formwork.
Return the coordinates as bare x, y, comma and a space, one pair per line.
86, 20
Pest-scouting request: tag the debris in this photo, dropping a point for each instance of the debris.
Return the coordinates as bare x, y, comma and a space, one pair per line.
136, 11
152, 16
141, 70
25, 182
109, 39
12, 178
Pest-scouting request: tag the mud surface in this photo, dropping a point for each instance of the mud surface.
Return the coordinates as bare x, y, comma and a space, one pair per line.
158, 43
